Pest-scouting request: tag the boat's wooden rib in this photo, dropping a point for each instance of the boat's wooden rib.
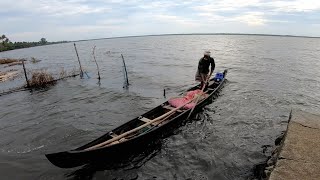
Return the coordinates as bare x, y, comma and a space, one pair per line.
133, 136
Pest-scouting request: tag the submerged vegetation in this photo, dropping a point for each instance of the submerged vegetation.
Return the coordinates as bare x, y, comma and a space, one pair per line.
41, 79
63, 73
34, 60
6, 44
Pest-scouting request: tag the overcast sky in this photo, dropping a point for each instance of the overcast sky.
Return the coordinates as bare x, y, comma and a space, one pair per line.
30, 20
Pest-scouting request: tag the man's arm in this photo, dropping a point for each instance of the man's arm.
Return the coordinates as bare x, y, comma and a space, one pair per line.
213, 65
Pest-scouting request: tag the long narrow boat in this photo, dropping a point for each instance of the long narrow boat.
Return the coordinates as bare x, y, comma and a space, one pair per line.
135, 135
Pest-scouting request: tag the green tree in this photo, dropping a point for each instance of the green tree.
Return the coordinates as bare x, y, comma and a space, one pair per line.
43, 41
3, 38
1, 47
6, 44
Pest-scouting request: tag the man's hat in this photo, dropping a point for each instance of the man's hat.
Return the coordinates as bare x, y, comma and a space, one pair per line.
207, 53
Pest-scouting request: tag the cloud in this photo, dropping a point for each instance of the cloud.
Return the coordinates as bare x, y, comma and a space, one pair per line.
275, 5
79, 19
252, 19
176, 20
156, 5
257, 12
226, 5
294, 6
111, 22
53, 7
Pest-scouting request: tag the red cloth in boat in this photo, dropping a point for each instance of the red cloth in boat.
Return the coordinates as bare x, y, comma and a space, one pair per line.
176, 102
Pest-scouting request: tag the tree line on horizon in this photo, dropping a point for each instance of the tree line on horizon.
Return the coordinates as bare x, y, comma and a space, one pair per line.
6, 44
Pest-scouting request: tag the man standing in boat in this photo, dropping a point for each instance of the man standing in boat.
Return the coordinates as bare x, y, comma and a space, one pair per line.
203, 68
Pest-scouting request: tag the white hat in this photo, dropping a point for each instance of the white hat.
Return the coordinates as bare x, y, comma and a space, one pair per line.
207, 53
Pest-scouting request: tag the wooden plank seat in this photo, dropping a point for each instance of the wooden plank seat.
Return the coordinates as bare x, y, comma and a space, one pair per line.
170, 108
112, 134
146, 120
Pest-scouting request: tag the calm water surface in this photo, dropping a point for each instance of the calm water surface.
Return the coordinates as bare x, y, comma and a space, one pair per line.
268, 76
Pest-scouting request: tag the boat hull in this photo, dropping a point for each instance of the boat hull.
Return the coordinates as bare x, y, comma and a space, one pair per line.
128, 149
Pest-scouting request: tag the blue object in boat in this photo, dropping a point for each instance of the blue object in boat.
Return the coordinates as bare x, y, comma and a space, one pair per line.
218, 77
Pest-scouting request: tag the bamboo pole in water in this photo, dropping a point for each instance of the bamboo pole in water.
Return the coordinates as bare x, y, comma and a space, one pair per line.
25, 73
125, 71
81, 72
94, 57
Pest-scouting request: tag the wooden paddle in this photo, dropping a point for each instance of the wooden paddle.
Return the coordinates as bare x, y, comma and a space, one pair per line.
201, 92
138, 128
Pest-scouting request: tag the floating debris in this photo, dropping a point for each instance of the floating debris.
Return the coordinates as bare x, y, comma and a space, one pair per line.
4, 76
8, 61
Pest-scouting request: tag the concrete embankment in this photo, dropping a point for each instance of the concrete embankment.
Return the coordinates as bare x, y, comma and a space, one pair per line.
298, 155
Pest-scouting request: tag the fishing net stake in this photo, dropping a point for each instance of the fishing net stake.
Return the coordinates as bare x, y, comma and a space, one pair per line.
126, 83
25, 73
94, 57
81, 72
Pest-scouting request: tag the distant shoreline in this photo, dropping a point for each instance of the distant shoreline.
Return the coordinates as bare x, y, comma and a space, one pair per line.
30, 45
187, 34
237, 34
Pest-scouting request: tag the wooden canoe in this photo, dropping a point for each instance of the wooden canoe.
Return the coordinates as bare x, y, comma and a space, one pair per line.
110, 148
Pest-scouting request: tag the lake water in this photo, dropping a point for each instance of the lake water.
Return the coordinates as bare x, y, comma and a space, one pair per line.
268, 76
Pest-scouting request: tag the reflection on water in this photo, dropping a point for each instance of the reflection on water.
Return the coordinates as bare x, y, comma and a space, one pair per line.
267, 77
